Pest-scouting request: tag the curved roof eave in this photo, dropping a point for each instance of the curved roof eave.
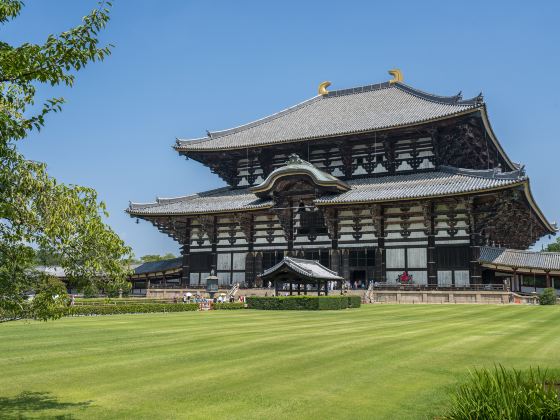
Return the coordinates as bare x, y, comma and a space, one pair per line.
184, 147
486, 121
284, 172
529, 195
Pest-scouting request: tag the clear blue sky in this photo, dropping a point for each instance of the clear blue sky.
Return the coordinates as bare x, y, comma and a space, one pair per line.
181, 67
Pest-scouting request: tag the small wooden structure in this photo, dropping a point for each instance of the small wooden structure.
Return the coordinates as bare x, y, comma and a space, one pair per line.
296, 271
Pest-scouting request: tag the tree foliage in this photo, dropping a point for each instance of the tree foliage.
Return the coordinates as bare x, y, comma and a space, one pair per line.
553, 247
36, 211
154, 257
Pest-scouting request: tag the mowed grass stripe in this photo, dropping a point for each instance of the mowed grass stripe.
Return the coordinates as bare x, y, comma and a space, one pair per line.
382, 361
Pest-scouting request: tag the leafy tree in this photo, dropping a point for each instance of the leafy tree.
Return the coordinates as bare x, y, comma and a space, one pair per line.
46, 258
553, 247
155, 257
65, 221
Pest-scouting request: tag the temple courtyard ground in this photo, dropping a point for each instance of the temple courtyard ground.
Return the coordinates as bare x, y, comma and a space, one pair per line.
379, 361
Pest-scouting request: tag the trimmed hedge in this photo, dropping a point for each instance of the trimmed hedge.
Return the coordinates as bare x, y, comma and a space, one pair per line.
117, 301
548, 297
354, 301
136, 308
301, 303
228, 305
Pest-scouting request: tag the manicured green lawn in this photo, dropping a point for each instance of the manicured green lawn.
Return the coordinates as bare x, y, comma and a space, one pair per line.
380, 361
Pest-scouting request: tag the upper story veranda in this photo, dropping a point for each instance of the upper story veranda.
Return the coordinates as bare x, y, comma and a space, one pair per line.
383, 129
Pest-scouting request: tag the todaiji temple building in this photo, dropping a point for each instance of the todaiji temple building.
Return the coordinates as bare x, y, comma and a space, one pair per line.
372, 182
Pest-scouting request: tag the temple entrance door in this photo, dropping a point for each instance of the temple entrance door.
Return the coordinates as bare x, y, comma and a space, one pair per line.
357, 278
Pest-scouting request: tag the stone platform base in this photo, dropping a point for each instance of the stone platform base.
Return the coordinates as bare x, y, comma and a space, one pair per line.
434, 296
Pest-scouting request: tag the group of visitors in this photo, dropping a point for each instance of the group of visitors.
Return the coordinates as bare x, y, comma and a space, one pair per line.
198, 298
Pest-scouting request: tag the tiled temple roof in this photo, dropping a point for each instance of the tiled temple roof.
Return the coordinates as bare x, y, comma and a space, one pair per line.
444, 182
307, 268
158, 266
518, 259
214, 201
340, 112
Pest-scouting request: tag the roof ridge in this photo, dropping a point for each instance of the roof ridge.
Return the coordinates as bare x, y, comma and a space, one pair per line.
523, 251
446, 100
223, 133
170, 200
486, 173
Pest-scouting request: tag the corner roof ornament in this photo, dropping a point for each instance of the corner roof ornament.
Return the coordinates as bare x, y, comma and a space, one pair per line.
397, 76
323, 88
294, 159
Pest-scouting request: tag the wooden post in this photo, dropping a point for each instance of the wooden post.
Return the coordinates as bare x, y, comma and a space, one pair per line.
318, 288
475, 270
185, 251
291, 287
548, 279
432, 264
379, 224
299, 288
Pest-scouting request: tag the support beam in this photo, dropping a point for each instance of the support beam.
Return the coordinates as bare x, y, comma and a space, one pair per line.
185, 252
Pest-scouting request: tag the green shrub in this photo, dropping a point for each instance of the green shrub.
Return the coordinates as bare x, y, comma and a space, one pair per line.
298, 303
227, 305
332, 302
90, 290
138, 308
506, 394
354, 301
548, 297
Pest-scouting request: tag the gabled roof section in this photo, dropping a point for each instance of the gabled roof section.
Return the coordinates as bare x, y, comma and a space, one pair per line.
307, 269
162, 266
520, 259
219, 200
295, 166
446, 181
362, 109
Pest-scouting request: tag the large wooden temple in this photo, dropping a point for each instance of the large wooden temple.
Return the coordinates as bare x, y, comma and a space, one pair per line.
371, 181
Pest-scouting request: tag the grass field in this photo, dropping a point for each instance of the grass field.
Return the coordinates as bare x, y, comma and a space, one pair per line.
380, 361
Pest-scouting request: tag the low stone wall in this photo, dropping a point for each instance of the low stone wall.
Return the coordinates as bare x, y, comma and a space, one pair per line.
435, 296
381, 296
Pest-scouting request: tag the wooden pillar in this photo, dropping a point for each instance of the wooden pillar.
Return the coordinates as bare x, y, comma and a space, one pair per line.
258, 266
380, 272
214, 242
548, 279
186, 255
326, 288
475, 270
291, 288
335, 260
318, 288
250, 271
299, 288
334, 239
291, 228
275, 287
345, 263
432, 263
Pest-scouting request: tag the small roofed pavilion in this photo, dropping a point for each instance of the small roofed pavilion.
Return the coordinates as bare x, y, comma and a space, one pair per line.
298, 272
